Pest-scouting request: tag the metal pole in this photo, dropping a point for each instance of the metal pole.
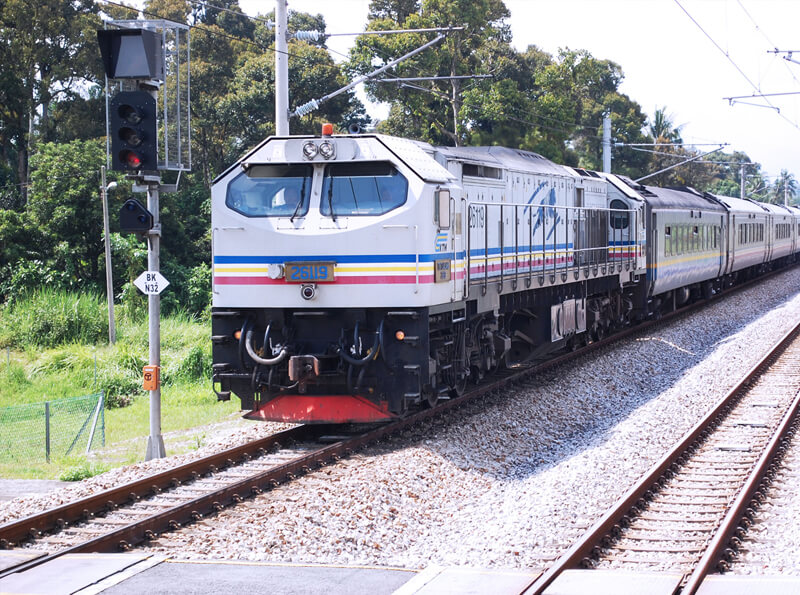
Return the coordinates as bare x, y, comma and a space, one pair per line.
112, 331
281, 70
741, 180
786, 190
94, 422
607, 143
155, 443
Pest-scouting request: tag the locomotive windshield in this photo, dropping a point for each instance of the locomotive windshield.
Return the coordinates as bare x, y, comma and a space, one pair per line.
362, 189
271, 191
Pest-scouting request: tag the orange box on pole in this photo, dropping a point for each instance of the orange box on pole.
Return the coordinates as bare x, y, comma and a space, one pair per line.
151, 377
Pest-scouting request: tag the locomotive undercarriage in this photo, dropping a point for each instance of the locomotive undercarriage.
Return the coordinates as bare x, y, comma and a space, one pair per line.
396, 360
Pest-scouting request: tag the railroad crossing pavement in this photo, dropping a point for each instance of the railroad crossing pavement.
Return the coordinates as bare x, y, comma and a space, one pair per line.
122, 574
15, 488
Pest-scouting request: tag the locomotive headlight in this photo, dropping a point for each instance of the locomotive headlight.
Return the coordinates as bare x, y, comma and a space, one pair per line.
327, 149
399, 335
310, 150
275, 271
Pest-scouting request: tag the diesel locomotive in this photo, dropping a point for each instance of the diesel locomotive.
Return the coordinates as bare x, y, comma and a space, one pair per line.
356, 277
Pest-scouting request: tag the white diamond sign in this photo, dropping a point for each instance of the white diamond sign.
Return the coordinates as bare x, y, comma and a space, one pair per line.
151, 282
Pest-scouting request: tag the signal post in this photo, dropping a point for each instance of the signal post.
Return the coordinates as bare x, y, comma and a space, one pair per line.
150, 131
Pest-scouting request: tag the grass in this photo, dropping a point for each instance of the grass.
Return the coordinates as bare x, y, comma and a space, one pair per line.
32, 374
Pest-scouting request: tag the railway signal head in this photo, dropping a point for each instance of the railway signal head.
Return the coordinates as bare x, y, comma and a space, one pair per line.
134, 132
135, 218
131, 54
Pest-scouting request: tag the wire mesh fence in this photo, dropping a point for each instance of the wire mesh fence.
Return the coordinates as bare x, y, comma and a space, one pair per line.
52, 428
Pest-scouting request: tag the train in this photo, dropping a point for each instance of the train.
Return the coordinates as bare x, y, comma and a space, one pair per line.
359, 277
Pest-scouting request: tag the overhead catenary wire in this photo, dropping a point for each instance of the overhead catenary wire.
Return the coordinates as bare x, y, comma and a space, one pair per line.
221, 34
309, 105
764, 35
505, 116
732, 61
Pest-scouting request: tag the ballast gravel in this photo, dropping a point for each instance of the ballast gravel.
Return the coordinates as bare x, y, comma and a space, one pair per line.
219, 441
511, 480
771, 544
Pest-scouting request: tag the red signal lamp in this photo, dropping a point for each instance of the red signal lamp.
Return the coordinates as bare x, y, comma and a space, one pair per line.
131, 159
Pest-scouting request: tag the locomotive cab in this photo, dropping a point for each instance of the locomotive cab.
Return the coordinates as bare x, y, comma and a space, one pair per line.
324, 276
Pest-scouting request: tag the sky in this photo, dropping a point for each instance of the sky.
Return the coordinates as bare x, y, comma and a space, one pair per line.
667, 59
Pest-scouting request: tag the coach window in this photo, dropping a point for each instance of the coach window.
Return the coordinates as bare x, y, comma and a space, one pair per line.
362, 189
271, 191
668, 241
619, 214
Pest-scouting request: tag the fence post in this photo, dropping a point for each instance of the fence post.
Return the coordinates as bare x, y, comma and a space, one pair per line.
94, 422
47, 430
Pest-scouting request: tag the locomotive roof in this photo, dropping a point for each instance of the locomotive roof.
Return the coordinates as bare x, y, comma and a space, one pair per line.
680, 198
741, 204
505, 157
776, 209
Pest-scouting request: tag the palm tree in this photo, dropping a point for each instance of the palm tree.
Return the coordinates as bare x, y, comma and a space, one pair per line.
785, 188
663, 128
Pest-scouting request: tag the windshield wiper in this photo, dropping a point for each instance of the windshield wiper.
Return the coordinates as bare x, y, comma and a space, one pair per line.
299, 202
330, 199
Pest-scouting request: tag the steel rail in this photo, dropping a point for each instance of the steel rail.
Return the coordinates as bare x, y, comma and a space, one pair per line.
716, 548
83, 509
615, 516
150, 527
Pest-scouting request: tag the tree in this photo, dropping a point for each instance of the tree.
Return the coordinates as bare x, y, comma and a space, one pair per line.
45, 57
435, 111
663, 129
228, 16
177, 11
784, 189
64, 206
396, 10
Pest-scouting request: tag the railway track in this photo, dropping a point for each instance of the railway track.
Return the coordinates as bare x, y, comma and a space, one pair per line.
687, 516
135, 513
769, 545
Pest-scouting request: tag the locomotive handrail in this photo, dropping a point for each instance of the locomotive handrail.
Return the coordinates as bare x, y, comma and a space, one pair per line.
620, 248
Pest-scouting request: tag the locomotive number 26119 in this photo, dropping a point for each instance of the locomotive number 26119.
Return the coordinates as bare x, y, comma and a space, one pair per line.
305, 272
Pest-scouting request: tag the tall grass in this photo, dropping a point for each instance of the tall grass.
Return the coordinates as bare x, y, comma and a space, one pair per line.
59, 349
51, 317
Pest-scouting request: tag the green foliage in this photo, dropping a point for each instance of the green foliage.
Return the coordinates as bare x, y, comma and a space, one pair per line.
50, 317
13, 376
83, 470
198, 290
65, 208
45, 56
195, 365
67, 358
